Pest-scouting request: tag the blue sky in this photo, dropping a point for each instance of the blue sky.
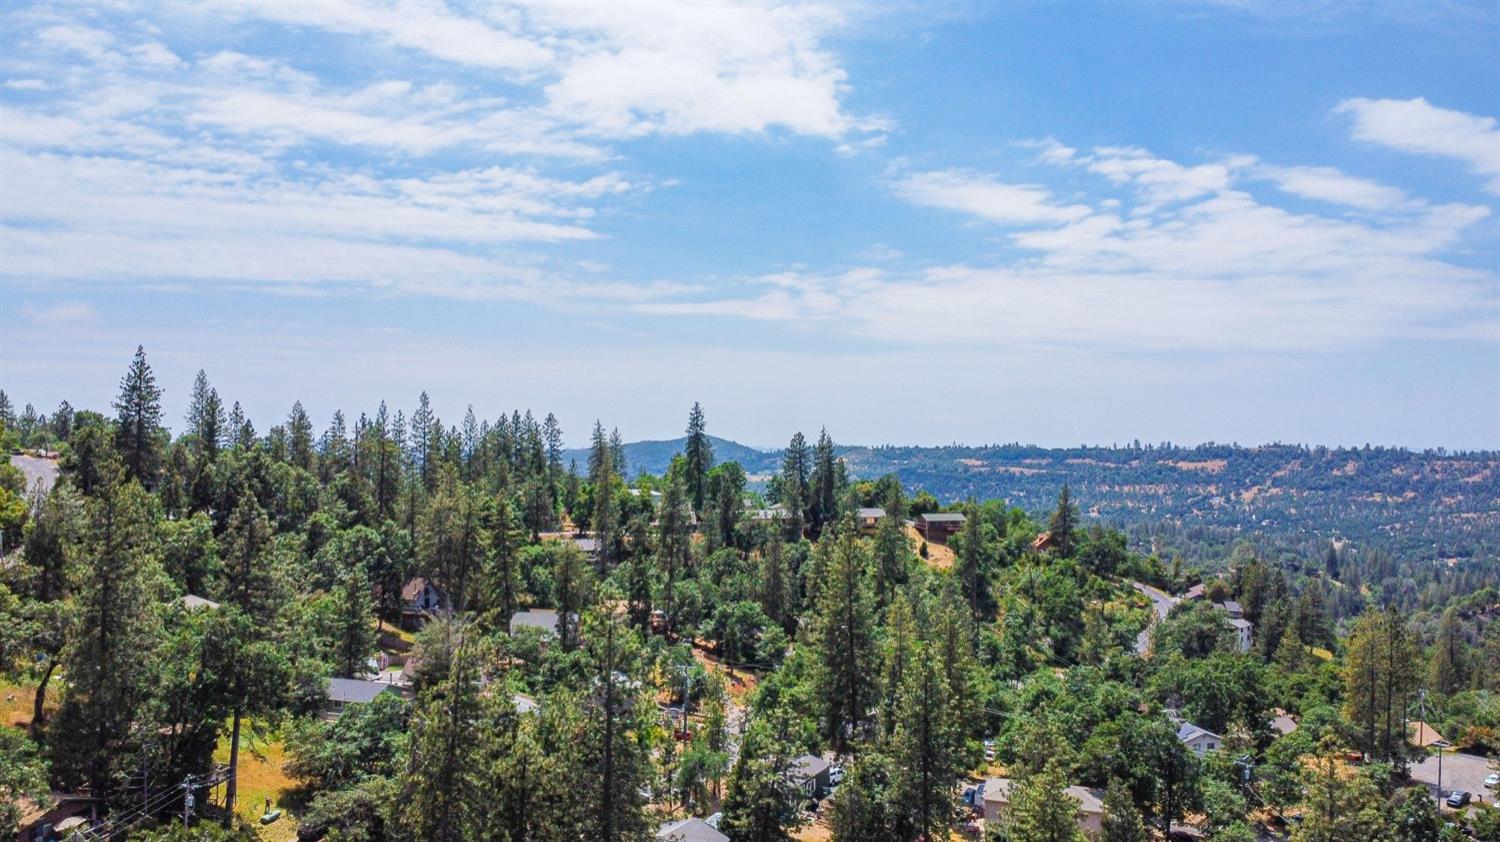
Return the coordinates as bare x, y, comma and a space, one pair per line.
912, 223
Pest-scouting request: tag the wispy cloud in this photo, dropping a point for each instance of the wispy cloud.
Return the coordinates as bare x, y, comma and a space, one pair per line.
985, 197
1415, 125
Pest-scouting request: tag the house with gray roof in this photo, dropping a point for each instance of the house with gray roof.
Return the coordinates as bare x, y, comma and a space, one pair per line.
689, 830
344, 692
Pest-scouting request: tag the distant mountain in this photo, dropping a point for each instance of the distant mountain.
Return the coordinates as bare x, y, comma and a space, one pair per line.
1418, 505
653, 457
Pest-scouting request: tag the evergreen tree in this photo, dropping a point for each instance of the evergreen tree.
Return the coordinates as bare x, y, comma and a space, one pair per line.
925, 747
761, 802
1122, 821
1380, 674
1448, 671
1040, 809
440, 785
823, 487
356, 637
792, 488
205, 416
299, 438
138, 432
1064, 524
108, 663
613, 762
673, 540
700, 458
892, 550
844, 631
572, 592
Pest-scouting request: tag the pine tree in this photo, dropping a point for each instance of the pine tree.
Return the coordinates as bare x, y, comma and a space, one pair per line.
792, 485
1040, 809
138, 434
445, 752
299, 438
205, 416
925, 746
613, 764
572, 593
700, 458
844, 630
1448, 670
673, 540
355, 639
1122, 821
761, 802
892, 550
1064, 524
108, 663
503, 563
823, 487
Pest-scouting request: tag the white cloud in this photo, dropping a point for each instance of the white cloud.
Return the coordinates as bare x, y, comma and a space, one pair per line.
986, 197
26, 85
59, 315
1185, 262
1328, 184
1415, 125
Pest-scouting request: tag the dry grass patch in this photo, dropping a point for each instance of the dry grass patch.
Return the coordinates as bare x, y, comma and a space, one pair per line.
261, 776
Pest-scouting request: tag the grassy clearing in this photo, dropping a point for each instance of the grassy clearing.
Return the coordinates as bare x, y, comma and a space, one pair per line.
260, 777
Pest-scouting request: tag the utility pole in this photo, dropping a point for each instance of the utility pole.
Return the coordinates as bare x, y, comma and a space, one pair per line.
187, 799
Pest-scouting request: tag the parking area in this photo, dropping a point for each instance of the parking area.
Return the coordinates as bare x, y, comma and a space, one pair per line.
1460, 771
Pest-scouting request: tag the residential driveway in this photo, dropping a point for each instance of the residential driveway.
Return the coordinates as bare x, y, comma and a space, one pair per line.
1162, 602
1460, 771
36, 470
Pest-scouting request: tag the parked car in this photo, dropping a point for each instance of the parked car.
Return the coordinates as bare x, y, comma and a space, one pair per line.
1492, 781
989, 750
836, 775
1458, 798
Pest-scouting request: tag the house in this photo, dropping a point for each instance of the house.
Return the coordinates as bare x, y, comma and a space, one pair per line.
1201, 741
811, 774
938, 527
590, 547
543, 619
1244, 631
344, 692
772, 514
689, 830
524, 703
996, 797
1043, 541
1195, 592
1283, 724
868, 518
191, 603
1233, 609
49, 820
421, 599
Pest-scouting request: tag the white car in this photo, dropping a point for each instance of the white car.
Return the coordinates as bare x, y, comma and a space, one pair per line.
1492, 781
836, 775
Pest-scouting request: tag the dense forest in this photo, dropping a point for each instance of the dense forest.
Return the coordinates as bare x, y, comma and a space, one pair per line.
403, 628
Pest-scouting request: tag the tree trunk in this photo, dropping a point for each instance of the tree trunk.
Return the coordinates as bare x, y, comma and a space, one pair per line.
234, 765
38, 705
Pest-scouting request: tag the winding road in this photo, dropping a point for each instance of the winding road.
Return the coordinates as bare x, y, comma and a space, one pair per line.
1162, 602
36, 470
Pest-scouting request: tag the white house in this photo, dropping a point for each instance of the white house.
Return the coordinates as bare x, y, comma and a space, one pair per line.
1244, 632
1199, 740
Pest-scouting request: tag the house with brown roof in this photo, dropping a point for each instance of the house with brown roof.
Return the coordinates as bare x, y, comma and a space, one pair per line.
59, 814
938, 527
420, 601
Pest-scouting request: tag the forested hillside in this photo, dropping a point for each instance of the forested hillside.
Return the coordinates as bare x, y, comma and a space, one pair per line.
407, 629
1199, 501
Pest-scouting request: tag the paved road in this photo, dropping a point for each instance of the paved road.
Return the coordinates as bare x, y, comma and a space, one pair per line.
36, 470
1460, 771
1162, 602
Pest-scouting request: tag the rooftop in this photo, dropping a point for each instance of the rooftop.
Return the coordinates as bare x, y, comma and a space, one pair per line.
689, 830
355, 690
943, 517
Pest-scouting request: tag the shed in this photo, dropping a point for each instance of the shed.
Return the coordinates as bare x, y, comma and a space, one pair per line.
810, 772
